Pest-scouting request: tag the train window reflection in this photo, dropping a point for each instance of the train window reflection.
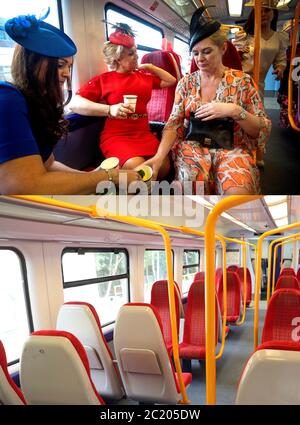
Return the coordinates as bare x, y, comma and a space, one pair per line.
99, 277
15, 319
24, 7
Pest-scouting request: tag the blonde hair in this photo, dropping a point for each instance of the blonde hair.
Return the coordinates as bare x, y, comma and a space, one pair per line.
220, 36
112, 52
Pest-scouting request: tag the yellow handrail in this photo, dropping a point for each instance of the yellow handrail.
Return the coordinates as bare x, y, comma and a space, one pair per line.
257, 38
210, 302
293, 55
258, 273
275, 241
93, 212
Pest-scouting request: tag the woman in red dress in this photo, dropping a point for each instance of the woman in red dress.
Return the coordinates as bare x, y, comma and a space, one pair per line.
126, 133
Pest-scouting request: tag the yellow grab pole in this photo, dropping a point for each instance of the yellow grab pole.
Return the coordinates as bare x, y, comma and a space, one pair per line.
210, 302
224, 318
257, 39
274, 242
103, 214
258, 274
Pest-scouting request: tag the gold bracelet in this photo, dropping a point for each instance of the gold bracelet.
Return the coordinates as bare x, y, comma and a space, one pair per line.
109, 175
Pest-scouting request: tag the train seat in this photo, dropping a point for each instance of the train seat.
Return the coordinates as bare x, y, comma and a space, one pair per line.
144, 362
248, 284
54, 369
75, 152
161, 102
233, 268
283, 308
160, 300
199, 276
193, 343
10, 393
298, 272
81, 319
287, 271
271, 375
233, 296
287, 281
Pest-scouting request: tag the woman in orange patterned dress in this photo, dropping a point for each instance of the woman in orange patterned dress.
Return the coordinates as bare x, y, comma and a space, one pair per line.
212, 92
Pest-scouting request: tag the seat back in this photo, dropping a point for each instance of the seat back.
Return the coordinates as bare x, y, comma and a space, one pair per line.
160, 300
248, 284
194, 324
54, 369
81, 319
271, 376
283, 308
287, 271
287, 281
233, 296
144, 362
231, 59
161, 102
10, 393
233, 268
199, 276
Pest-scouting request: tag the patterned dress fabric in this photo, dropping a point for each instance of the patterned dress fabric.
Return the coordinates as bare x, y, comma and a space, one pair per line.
219, 169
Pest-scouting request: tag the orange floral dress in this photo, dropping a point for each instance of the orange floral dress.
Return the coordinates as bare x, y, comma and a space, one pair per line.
220, 169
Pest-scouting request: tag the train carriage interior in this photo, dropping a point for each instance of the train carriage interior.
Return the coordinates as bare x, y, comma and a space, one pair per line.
182, 300
75, 273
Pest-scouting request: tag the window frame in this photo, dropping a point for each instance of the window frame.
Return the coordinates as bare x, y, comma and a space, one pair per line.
25, 289
131, 15
93, 281
188, 266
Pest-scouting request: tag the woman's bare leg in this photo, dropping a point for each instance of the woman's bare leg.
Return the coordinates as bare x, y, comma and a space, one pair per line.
134, 162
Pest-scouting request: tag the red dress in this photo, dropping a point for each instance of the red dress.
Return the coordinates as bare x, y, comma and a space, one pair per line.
124, 138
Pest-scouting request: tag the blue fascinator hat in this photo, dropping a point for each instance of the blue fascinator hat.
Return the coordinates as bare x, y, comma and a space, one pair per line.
39, 37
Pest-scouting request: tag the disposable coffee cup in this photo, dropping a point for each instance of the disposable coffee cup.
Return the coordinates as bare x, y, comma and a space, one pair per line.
146, 173
110, 163
130, 99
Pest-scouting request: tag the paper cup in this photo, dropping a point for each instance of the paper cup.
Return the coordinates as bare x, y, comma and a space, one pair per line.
130, 99
110, 163
147, 175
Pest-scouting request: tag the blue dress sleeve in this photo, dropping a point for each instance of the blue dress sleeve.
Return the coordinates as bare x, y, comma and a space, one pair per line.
16, 138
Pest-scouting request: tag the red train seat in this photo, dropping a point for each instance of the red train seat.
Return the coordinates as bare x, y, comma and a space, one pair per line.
10, 393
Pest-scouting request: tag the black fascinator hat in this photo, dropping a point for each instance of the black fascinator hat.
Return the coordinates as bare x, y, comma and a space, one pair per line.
202, 26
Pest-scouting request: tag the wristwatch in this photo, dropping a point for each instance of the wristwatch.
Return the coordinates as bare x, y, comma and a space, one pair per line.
242, 115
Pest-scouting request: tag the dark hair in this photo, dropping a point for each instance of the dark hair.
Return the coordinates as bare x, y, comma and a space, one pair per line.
36, 77
249, 25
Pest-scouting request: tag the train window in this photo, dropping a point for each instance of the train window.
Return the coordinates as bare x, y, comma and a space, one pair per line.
148, 36
191, 265
99, 277
155, 268
182, 49
15, 314
25, 7
233, 257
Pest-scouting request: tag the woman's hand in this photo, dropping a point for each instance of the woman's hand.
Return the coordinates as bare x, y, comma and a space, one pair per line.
155, 163
121, 110
278, 72
213, 110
